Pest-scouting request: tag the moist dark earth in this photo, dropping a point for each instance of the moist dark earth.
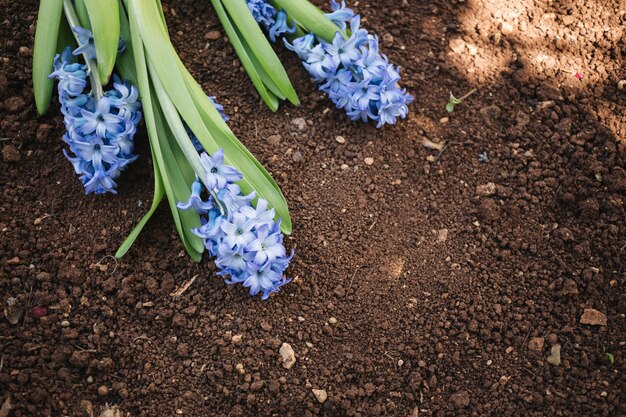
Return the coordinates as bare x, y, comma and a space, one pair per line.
427, 282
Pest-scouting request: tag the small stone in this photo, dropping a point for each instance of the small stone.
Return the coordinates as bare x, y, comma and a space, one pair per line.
288, 355
240, 369
236, 340
320, 394
87, 407
460, 399
103, 390
442, 235
300, 123
536, 344
369, 160
256, 386
297, 156
506, 28
274, 386
345, 167
340, 139
213, 35
488, 210
555, 355
387, 39
444, 120
90, 379
24, 51
182, 350
332, 320
14, 104
274, 140
65, 323
486, 190
621, 84
14, 261
10, 154
491, 113
593, 317
266, 326
553, 338
339, 291
457, 45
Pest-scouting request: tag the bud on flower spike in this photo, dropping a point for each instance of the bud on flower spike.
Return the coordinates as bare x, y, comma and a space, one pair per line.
100, 130
246, 240
355, 75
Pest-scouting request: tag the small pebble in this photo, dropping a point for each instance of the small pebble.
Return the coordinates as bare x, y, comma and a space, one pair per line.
332, 320
340, 139
444, 120
103, 390
213, 35
369, 160
236, 339
288, 355
10, 154
621, 84
65, 323
320, 394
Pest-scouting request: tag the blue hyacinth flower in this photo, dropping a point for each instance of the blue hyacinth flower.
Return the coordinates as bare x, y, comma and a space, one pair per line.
245, 240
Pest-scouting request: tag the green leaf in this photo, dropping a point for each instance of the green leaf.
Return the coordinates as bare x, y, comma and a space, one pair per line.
253, 71
105, 22
126, 60
610, 357
166, 163
450, 107
159, 192
197, 111
256, 178
46, 35
310, 17
259, 46
83, 15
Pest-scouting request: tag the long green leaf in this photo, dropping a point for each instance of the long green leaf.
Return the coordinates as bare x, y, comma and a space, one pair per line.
189, 100
105, 22
180, 186
253, 71
310, 17
159, 192
158, 136
46, 34
259, 46
256, 178
83, 15
126, 60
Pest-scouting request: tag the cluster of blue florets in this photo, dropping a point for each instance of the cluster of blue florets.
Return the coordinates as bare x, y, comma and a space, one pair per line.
274, 21
352, 71
246, 240
100, 131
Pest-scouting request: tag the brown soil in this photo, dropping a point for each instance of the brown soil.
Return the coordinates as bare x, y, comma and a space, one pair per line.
449, 293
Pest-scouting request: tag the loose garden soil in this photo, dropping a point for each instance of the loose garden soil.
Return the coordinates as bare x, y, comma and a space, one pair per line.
426, 281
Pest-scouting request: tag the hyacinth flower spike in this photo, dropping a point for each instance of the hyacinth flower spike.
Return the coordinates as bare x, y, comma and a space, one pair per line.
246, 240
347, 65
100, 125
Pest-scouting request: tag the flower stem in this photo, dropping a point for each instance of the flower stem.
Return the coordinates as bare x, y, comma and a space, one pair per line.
472, 91
92, 66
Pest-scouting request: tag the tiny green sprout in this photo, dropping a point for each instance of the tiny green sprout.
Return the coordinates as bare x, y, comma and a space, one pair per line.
611, 357
454, 101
